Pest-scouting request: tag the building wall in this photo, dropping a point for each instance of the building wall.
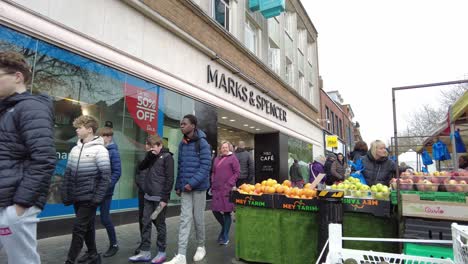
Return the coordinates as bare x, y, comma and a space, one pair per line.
343, 114
123, 27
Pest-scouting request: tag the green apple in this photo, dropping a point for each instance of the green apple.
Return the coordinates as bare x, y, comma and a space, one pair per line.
373, 188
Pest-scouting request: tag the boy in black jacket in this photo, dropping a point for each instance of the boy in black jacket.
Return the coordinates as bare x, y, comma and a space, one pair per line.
158, 169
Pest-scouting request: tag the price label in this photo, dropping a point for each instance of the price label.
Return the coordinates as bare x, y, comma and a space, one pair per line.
143, 107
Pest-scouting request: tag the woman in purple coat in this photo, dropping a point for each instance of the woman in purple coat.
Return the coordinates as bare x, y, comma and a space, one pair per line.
316, 168
226, 170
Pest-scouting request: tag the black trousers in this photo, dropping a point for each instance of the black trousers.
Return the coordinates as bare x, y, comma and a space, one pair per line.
141, 206
83, 230
159, 222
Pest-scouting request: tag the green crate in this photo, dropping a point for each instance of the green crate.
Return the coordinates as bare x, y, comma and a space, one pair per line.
428, 251
457, 197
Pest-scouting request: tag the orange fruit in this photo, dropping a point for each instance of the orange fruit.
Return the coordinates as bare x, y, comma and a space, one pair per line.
307, 185
264, 183
287, 183
280, 189
270, 190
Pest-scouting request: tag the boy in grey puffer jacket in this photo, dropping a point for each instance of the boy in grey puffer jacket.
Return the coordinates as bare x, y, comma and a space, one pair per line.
85, 183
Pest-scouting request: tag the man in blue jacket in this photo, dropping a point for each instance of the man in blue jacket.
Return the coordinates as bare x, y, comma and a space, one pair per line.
194, 166
27, 159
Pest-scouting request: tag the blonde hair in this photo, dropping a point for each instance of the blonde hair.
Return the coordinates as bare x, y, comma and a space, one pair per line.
373, 148
87, 122
231, 148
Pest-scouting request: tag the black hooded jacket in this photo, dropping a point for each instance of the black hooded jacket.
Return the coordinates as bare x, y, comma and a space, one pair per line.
158, 175
27, 150
378, 171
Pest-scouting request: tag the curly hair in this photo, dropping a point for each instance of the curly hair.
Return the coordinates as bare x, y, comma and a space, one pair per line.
86, 121
12, 62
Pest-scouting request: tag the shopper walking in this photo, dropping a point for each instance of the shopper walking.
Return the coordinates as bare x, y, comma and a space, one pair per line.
85, 184
378, 168
107, 135
27, 159
192, 182
226, 170
296, 175
316, 168
247, 169
157, 187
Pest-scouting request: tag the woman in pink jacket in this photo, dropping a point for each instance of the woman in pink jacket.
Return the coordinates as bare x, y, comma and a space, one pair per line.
225, 172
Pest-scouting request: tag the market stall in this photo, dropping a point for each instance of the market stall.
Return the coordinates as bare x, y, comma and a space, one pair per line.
287, 227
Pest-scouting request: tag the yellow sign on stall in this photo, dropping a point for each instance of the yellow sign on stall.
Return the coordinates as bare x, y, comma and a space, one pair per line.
332, 141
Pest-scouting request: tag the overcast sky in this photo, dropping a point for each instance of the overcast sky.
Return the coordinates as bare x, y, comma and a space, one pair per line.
366, 47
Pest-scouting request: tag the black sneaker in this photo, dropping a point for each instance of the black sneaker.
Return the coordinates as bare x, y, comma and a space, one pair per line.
95, 259
85, 258
111, 251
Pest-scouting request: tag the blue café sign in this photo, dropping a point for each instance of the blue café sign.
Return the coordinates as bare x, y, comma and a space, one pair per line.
268, 8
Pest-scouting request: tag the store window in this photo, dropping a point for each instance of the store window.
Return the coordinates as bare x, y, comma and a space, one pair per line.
290, 72
340, 128
327, 116
274, 57
302, 152
80, 86
252, 37
333, 122
221, 12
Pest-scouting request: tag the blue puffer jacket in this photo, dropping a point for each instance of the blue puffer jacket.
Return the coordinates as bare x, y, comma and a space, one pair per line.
27, 149
116, 167
194, 165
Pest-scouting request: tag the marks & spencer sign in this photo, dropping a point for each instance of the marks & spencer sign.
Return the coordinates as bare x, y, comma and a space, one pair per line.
244, 94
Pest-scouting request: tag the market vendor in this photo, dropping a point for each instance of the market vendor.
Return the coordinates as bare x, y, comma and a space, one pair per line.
378, 168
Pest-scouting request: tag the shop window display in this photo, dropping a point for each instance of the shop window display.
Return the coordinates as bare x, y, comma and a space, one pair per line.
80, 86
302, 151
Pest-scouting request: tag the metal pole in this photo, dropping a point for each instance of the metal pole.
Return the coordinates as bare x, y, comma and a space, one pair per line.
452, 138
395, 139
429, 85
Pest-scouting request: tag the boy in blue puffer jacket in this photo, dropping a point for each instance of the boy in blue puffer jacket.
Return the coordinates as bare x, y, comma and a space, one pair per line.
116, 170
192, 182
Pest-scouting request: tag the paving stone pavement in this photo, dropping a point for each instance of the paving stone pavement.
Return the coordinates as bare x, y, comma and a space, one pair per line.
53, 250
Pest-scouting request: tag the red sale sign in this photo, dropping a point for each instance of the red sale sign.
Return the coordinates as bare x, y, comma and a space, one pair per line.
143, 107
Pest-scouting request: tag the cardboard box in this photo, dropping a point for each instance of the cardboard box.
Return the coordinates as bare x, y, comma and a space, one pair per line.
415, 207
295, 204
367, 205
262, 201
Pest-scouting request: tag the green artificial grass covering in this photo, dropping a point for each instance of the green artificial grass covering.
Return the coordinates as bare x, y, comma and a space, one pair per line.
276, 236
367, 225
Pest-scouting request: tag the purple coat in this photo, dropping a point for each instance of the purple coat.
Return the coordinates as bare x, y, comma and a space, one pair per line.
317, 168
226, 170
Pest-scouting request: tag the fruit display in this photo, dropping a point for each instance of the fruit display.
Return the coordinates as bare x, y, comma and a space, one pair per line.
456, 186
271, 186
380, 192
450, 181
352, 187
405, 184
427, 186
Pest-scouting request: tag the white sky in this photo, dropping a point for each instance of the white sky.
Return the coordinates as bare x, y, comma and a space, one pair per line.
366, 47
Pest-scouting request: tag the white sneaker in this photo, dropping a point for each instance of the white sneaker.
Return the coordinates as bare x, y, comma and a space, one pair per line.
200, 254
143, 256
178, 259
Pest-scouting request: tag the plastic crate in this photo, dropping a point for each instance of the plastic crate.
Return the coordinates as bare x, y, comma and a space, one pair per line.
419, 228
441, 252
433, 196
460, 243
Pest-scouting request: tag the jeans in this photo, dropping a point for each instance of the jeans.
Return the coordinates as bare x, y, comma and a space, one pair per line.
225, 220
106, 220
83, 230
141, 206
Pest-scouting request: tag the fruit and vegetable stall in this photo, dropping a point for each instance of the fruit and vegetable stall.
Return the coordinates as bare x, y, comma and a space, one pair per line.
278, 223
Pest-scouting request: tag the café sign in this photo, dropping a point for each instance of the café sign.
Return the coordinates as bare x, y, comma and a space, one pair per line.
243, 93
